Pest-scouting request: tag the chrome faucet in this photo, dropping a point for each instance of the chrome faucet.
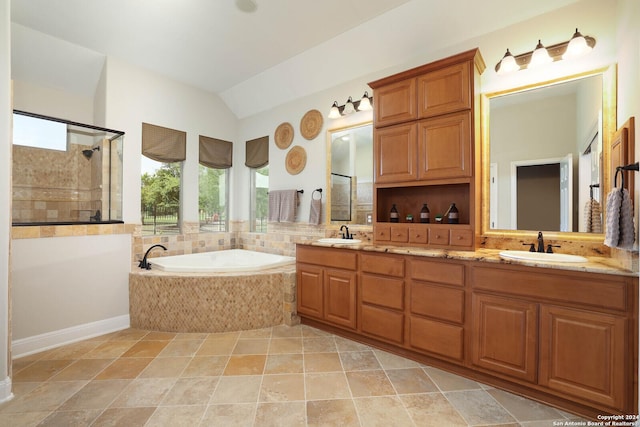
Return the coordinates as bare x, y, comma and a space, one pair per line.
146, 264
346, 234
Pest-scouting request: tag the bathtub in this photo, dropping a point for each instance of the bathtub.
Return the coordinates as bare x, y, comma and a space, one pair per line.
233, 260
192, 293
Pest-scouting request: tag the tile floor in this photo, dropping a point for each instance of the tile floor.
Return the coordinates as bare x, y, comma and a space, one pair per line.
281, 376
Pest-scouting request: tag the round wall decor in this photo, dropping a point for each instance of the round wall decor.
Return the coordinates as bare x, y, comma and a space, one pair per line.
296, 160
311, 124
284, 135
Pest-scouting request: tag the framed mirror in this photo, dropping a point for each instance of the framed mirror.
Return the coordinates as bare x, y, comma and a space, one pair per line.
545, 156
350, 175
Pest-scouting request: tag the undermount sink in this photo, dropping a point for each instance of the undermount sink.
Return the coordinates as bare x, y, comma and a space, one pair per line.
541, 256
338, 241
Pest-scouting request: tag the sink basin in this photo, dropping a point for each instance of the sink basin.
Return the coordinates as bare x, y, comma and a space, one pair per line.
338, 241
541, 256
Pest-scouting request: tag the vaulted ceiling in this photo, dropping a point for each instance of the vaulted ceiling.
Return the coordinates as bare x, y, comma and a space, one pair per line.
293, 47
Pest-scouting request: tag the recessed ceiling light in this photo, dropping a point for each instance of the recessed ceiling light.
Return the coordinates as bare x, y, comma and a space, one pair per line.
246, 5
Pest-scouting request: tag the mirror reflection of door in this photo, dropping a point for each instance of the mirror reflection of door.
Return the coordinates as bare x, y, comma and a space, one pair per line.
538, 197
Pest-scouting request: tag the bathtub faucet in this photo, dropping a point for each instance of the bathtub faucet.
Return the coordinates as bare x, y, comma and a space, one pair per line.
146, 264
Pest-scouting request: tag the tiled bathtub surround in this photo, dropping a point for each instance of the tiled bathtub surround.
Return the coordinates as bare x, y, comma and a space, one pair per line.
278, 376
212, 303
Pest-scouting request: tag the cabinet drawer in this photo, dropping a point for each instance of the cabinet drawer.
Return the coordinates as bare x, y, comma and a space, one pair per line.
399, 233
338, 258
382, 232
461, 238
436, 271
437, 338
385, 324
418, 234
438, 236
439, 302
396, 103
599, 291
444, 91
382, 264
383, 291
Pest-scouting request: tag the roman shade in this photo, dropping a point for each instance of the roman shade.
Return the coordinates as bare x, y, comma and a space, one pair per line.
163, 144
257, 152
215, 153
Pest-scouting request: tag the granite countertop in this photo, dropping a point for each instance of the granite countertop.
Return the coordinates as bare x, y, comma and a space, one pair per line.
600, 265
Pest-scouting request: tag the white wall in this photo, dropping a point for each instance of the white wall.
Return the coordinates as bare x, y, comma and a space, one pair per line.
134, 95
5, 198
63, 282
52, 102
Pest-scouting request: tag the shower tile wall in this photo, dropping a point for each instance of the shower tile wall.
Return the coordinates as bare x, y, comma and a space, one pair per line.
54, 186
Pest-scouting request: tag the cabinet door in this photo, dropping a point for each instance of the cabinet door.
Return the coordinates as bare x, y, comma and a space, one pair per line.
340, 297
444, 91
310, 290
504, 336
445, 147
395, 151
396, 103
583, 354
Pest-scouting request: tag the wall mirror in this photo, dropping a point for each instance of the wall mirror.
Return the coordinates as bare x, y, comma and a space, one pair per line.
545, 155
350, 175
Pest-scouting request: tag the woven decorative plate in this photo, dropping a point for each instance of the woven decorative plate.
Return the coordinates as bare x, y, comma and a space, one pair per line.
311, 124
296, 160
284, 135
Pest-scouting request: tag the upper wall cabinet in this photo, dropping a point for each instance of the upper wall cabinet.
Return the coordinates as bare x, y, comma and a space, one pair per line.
396, 103
444, 91
424, 142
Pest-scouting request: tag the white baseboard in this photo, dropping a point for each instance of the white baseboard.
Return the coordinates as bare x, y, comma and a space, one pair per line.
5, 390
38, 343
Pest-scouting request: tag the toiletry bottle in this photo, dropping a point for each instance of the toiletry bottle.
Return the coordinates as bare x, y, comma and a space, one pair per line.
424, 214
393, 215
452, 214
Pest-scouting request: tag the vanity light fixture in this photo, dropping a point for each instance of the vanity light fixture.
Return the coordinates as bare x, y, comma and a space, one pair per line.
577, 46
351, 106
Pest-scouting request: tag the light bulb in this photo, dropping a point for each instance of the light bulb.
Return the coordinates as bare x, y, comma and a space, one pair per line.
577, 46
507, 64
334, 112
540, 56
365, 104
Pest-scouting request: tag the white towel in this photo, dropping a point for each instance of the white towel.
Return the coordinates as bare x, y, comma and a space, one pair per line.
288, 205
315, 210
620, 231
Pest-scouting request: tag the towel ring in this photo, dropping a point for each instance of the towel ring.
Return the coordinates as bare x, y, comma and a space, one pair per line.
317, 190
619, 170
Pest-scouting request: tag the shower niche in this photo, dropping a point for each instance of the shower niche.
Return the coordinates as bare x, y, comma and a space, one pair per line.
65, 172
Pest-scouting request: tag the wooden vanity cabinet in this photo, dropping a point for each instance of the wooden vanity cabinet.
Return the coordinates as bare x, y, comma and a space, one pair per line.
381, 297
568, 338
569, 333
424, 136
326, 284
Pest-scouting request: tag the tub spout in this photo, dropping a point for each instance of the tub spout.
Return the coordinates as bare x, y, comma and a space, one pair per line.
146, 264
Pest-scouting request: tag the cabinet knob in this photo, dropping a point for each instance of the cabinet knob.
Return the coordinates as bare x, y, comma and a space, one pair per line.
459, 237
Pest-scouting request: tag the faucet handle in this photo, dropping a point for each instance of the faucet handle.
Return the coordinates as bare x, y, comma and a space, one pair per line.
532, 246
549, 250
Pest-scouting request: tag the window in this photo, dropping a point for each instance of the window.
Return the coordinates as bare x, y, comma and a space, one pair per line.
37, 132
163, 151
259, 199
213, 199
160, 197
